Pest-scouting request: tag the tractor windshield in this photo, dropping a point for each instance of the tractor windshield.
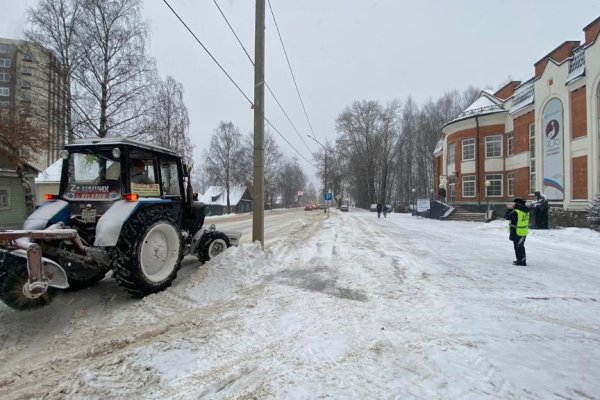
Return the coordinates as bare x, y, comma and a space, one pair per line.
93, 175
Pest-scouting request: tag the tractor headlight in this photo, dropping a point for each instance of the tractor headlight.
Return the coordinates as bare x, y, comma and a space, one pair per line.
116, 152
64, 154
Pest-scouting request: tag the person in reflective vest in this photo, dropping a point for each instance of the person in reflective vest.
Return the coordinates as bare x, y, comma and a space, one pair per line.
518, 227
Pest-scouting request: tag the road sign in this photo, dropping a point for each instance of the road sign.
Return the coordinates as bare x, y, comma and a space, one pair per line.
327, 196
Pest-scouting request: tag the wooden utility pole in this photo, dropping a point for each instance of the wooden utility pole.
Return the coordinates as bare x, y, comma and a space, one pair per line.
258, 216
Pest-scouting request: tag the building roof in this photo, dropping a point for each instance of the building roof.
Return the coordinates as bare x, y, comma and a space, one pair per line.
6, 167
577, 65
524, 96
486, 104
216, 195
51, 174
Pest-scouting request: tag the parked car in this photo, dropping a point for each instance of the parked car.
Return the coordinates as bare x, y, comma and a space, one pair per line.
310, 207
373, 208
344, 206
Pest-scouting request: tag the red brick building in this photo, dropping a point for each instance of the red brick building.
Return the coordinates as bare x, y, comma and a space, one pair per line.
539, 135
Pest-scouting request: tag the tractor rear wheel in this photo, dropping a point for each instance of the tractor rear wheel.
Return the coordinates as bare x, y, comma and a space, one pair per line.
13, 276
149, 253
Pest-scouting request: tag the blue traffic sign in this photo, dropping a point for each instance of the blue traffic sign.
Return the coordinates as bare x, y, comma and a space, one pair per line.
328, 196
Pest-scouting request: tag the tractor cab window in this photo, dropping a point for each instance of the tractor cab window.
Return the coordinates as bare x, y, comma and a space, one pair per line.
93, 175
142, 176
170, 178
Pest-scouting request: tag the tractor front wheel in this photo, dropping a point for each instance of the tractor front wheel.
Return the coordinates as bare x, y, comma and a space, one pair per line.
212, 244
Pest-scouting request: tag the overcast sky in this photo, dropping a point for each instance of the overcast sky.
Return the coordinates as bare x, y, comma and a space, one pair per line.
341, 51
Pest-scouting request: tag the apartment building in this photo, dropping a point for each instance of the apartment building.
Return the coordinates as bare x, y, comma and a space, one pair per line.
30, 86
541, 135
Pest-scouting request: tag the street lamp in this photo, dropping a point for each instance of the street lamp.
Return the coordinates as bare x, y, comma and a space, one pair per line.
487, 200
414, 201
325, 172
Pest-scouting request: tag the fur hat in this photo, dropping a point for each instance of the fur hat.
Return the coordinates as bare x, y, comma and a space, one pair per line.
519, 201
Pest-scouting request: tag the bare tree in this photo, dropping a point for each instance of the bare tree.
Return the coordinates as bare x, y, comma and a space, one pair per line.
168, 122
311, 194
115, 74
19, 143
364, 130
200, 180
386, 151
273, 163
54, 27
224, 158
291, 180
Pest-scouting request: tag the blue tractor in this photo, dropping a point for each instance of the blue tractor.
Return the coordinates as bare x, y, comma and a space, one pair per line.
122, 205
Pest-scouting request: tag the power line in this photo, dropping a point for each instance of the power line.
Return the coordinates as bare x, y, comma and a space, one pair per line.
231, 79
283, 137
209, 53
266, 84
233, 31
290, 67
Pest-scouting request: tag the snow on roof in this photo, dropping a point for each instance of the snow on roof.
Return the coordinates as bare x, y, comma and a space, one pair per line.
524, 96
216, 195
439, 146
50, 174
486, 104
116, 140
577, 65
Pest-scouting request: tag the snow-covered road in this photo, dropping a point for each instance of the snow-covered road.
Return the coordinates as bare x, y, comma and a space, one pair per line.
349, 306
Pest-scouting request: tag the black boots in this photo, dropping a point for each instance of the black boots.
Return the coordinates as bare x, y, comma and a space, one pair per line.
524, 264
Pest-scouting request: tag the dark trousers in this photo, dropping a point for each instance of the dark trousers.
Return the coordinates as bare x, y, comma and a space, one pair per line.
519, 243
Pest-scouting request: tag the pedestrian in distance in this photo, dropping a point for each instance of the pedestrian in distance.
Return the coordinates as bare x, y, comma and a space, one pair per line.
442, 194
379, 209
385, 211
518, 216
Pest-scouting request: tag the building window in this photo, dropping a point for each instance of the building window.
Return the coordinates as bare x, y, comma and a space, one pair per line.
4, 91
532, 158
3, 48
27, 71
25, 84
26, 97
451, 153
4, 77
510, 181
27, 56
493, 146
5, 62
495, 188
510, 143
4, 198
4, 104
468, 149
468, 186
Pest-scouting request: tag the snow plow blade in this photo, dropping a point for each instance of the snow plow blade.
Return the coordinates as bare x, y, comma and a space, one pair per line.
234, 237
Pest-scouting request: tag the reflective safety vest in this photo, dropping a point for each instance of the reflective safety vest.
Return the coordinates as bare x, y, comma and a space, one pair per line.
522, 227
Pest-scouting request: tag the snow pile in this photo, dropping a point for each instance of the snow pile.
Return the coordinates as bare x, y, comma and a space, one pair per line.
593, 213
